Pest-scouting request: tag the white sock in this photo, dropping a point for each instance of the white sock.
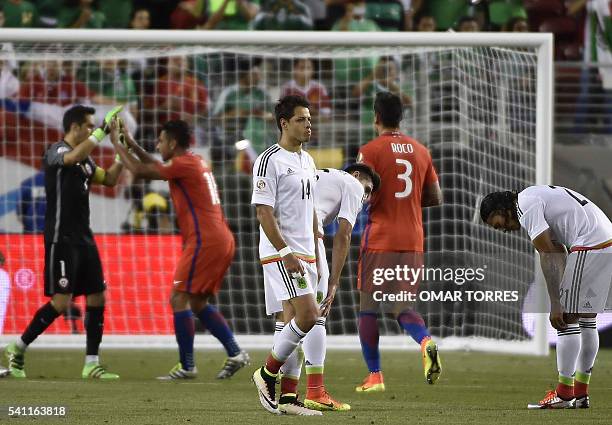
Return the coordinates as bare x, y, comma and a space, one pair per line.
287, 340
92, 359
293, 364
589, 338
21, 345
315, 344
568, 347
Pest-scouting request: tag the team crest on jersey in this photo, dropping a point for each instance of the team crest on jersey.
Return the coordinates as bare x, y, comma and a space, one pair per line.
63, 282
319, 297
290, 171
261, 185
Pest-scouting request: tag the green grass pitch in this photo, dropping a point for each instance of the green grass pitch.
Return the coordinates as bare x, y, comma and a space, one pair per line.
475, 388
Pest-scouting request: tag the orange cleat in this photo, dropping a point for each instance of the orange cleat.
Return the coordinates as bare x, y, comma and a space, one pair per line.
324, 402
373, 383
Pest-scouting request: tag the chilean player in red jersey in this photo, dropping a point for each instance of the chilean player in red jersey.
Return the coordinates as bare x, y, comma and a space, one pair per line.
394, 235
208, 241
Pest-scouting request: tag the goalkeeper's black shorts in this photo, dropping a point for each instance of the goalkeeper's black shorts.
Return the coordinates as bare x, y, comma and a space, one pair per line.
73, 269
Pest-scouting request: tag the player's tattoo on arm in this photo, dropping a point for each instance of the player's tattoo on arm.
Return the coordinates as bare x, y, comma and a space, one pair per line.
553, 257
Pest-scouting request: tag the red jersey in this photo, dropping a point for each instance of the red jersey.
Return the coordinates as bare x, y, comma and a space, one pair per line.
396, 217
196, 200
190, 94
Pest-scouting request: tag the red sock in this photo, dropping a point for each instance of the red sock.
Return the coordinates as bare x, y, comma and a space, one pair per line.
566, 392
314, 385
288, 385
580, 389
273, 365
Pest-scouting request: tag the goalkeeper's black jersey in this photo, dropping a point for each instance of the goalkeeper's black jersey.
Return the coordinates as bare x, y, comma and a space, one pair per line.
67, 193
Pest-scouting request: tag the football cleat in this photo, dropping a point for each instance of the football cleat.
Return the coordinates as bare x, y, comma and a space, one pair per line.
234, 364
290, 405
16, 362
432, 365
552, 401
373, 383
582, 402
325, 402
177, 372
266, 388
93, 370
4, 372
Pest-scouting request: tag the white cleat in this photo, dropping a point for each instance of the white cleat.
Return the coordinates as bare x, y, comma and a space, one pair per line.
178, 373
552, 401
4, 372
266, 389
582, 402
234, 364
289, 405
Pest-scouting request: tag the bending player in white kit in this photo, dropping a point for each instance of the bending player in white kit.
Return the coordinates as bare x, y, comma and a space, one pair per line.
339, 195
578, 284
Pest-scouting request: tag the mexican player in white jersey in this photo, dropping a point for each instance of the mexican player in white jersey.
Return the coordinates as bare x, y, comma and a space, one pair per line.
340, 196
284, 179
578, 284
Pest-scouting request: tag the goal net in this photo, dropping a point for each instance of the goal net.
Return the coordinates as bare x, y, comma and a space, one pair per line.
472, 102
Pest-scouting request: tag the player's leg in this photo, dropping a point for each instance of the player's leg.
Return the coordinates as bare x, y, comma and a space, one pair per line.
369, 338
59, 273
213, 320
291, 370
184, 331
90, 282
589, 346
315, 346
299, 294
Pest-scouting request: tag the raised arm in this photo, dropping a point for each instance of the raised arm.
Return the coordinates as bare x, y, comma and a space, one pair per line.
138, 168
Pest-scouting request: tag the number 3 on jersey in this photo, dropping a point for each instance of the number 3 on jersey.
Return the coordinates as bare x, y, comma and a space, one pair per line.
405, 176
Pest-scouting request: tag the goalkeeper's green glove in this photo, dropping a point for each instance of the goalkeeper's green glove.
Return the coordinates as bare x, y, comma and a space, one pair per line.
99, 133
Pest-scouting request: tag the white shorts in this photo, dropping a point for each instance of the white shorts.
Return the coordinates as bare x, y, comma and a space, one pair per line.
280, 286
587, 278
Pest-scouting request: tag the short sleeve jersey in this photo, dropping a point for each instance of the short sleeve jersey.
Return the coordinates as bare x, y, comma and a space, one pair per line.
405, 168
196, 200
574, 220
286, 181
338, 195
67, 193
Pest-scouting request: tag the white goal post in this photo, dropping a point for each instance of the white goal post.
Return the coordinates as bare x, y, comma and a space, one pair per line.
465, 89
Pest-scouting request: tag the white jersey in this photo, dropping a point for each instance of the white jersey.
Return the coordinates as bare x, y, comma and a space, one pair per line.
286, 181
339, 195
575, 221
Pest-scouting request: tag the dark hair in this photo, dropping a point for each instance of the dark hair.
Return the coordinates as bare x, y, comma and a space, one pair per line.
367, 170
136, 10
498, 201
388, 107
510, 23
285, 107
178, 130
76, 115
465, 19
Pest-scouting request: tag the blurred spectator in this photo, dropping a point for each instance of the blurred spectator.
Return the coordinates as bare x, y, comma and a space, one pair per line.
354, 19
150, 212
117, 13
20, 14
80, 14
140, 19
179, 95
502, 11
287, 15
348, 72
425, 23
393, 15
33, 204
304, 85
188, 15
48, 10
231, 14
110, 80
468, 24
9, 83
244, 107
446, 13
516, 24
5, 291
160, 11
385, 77
2, 20
318, 13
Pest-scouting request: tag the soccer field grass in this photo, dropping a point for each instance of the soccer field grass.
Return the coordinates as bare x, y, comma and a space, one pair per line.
475, 388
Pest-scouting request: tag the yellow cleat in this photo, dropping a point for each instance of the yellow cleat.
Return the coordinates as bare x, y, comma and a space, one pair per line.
432, 365
325, 402
373, 383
